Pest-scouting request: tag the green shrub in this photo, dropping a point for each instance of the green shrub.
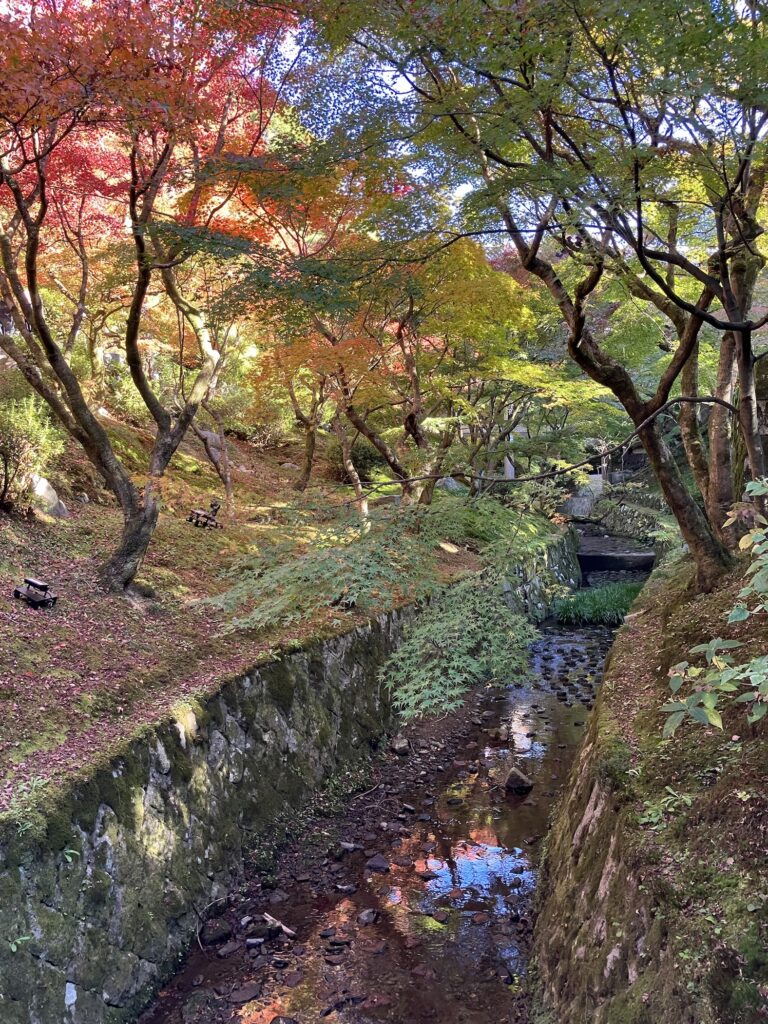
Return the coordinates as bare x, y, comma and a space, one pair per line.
607, 605
29, 441
365, 458
393, 559
699, 691
467, 635
344, 567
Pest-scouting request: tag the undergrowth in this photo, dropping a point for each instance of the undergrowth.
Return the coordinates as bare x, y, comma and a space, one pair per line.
606, 605
390, 559
467, 635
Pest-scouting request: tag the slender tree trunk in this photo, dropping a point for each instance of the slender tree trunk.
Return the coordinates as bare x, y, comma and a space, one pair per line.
720, 492
225, 473
378, 442
690, 432
310, 441
744, 267
352, 475
739, 460
218, 456
745, 363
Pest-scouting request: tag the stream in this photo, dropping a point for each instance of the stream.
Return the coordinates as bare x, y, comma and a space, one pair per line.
413, 903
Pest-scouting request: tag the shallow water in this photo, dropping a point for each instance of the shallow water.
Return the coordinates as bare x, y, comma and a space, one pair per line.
448, 927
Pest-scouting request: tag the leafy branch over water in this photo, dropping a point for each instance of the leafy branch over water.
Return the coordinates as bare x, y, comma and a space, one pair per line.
466, 632
467, 636
721, 681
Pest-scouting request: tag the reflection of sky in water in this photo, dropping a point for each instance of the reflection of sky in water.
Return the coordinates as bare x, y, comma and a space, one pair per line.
482, 850
482, 845
486, 874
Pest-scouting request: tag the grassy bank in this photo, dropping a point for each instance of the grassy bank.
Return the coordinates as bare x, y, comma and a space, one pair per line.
77, 681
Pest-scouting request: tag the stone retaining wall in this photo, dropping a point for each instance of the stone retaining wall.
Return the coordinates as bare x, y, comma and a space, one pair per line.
104, 906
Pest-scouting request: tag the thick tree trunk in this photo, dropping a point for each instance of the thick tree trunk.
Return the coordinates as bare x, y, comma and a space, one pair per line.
709, 554
138, 527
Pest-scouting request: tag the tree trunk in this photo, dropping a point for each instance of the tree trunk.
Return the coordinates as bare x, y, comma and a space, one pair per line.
378, 442
745, 363
138, 528
739, 461
219, 458
709, 554
310, 440
352, 475
690, 432
428, 491
719, 497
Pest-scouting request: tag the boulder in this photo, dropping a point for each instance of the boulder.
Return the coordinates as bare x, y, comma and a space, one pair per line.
47, 499
517, 782
400, 745
447, 483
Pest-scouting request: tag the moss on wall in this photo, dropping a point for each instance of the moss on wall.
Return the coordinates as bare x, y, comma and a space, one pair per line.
100, 891
649, 902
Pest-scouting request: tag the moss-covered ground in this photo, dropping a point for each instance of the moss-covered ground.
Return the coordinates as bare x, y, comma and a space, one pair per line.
694, 817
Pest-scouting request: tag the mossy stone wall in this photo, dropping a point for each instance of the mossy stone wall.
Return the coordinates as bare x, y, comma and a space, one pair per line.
654, 920
109, 898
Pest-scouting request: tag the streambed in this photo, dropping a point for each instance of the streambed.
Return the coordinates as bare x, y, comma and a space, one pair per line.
413, 904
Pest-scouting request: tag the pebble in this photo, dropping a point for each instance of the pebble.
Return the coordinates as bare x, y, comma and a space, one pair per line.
245, 993
377, 863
